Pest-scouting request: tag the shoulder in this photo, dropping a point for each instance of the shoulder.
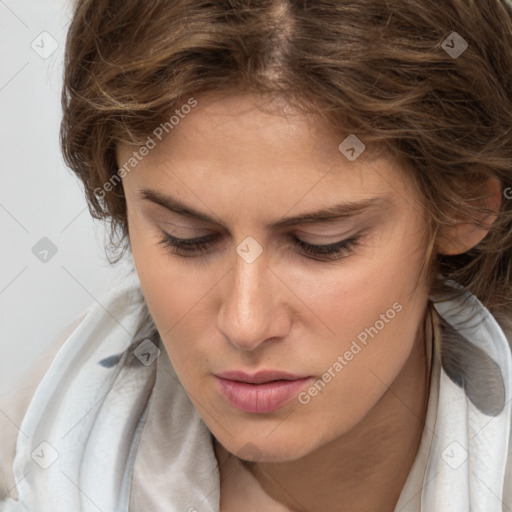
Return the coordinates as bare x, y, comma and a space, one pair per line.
14, 405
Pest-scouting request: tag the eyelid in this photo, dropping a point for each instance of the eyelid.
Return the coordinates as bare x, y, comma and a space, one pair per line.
155, 214
336, 229
200, 247
186, 232
346, 222
212, 238
182, 226
337, 237
189, 240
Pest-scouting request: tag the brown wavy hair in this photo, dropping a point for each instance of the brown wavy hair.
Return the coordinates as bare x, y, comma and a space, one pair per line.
377, 69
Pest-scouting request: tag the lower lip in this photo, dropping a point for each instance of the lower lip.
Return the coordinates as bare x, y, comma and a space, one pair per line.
260, 398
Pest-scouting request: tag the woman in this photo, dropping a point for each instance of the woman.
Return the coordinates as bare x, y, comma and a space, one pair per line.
316, 198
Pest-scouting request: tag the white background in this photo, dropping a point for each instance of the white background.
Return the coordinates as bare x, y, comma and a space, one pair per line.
39, 196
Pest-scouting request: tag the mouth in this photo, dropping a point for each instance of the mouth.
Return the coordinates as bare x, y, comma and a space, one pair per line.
262, 392
260, 377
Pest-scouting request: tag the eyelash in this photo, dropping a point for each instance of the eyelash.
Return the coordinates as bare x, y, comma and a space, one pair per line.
190, 247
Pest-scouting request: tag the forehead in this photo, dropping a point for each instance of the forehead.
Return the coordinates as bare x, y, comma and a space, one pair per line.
256, 147
270, 126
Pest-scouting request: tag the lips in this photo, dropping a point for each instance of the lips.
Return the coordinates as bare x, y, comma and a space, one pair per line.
259, 377
261, 392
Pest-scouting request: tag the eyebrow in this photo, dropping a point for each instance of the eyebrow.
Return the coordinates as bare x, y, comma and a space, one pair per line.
329, 214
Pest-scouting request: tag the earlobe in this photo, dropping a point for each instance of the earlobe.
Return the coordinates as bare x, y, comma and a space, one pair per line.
471, 230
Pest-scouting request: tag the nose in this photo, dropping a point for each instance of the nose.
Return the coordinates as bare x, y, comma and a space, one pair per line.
251, 311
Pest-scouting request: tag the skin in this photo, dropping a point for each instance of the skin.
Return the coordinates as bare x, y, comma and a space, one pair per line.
353, 443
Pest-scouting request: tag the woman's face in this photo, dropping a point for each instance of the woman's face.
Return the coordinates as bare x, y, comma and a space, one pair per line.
341, 325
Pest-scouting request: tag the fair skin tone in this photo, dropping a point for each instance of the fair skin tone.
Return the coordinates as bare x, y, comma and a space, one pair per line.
352, 445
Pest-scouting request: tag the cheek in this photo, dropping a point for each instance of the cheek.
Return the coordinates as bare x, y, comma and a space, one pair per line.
176, 294
350, 296
372, 310
171, 303
170, 289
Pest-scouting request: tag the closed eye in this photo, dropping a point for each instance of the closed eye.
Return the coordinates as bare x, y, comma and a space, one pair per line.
193, 247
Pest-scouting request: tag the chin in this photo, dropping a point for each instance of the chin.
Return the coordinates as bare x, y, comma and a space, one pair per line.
267, 451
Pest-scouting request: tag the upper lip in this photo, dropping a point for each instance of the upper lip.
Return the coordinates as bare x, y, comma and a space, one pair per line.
258, 377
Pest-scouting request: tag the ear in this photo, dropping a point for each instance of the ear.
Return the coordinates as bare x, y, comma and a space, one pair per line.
471, 230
